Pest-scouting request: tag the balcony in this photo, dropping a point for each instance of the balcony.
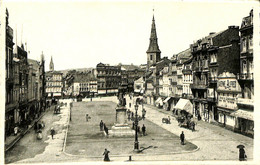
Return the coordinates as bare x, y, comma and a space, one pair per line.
245, 76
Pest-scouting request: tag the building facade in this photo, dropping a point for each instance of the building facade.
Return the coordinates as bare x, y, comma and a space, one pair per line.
187, 79
244, 115
108, 79
228, 90
212, 55
84, 84
54, 84
129, 74
10, 103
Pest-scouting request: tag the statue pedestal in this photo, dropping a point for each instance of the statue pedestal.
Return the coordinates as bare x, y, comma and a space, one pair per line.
121, 128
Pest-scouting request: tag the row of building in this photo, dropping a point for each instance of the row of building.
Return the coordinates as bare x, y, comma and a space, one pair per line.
102, 80
24, 81
214, 75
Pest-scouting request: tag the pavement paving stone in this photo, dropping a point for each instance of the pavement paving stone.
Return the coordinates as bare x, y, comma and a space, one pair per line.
215, 143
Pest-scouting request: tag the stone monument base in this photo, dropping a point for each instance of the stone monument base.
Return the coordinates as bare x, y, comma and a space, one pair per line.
121, 131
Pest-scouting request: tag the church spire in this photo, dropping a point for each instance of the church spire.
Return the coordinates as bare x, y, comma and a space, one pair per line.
51, 65
153, 46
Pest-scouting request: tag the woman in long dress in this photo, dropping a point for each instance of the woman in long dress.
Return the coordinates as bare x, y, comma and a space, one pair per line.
106, 157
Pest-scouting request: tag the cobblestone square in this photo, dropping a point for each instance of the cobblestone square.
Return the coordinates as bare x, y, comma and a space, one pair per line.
85, 137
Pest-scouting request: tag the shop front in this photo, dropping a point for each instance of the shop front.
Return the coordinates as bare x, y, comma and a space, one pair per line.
244, 122
225, 118
183, 104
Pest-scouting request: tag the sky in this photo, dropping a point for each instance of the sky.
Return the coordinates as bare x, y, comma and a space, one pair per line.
80, 34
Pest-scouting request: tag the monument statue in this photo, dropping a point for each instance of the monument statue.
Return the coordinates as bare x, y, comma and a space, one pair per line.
120, 127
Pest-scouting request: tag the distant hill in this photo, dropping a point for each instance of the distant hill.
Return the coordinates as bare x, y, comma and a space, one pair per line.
77, 69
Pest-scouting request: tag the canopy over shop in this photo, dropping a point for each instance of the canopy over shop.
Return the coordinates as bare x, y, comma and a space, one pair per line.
167, 103
243, 114
159, 102
183, 106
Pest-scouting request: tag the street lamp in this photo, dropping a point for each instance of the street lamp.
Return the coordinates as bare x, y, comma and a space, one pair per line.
136, 144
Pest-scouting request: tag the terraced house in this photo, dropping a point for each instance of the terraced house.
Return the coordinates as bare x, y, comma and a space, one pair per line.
212, 55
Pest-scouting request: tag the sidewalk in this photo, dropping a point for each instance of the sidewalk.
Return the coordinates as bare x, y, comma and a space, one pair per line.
11, 140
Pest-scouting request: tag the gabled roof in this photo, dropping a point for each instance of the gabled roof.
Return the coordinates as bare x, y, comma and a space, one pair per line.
184, 56
247, 21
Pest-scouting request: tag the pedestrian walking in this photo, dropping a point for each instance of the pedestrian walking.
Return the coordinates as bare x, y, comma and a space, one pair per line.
15, 130
128, 114
182, 136
242, 154
87, 117
133, 125
101, 125
138, 129
143, 129
193, 126
106, 157
143, 113
52, 132
132, 115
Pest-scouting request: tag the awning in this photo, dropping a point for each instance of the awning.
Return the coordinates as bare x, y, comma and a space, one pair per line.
159, 101
166, 100
101, 91
249, 115
184, 104
56, 94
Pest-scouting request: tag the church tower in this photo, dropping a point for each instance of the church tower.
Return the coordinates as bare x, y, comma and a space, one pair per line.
51, 67
153, 52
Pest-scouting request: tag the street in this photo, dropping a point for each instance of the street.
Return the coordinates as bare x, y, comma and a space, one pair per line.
215, 143
29, 146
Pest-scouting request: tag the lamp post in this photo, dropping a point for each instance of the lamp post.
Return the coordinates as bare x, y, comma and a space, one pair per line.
136, 144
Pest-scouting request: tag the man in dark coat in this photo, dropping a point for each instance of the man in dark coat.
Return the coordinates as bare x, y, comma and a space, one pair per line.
143, 129
182, 138
101, 124
242, 154
106, 157
143, 113
52, 132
